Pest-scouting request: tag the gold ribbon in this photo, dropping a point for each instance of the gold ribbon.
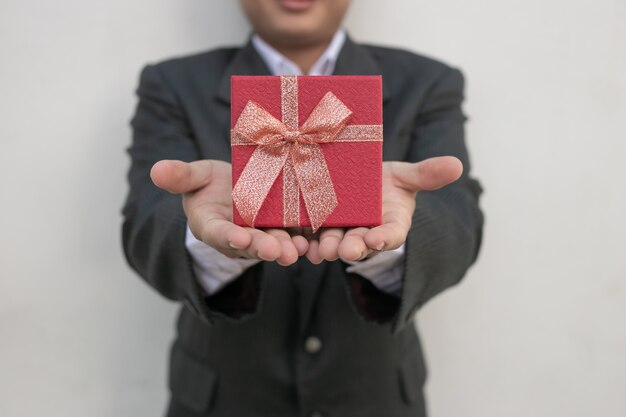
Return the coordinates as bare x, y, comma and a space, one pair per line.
296, 151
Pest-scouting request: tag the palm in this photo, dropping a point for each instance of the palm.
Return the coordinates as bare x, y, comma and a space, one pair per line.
212, 202
398, 202
400, 183
207, 201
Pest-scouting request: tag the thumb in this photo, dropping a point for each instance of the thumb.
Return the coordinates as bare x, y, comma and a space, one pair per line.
429, 174
181, 177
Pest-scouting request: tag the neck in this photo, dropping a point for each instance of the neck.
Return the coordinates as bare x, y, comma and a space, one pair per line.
304, 56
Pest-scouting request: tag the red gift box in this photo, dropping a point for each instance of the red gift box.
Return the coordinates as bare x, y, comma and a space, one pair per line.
306, 151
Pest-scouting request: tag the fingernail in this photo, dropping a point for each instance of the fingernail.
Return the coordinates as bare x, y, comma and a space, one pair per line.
380, 247
266, 258
232, 245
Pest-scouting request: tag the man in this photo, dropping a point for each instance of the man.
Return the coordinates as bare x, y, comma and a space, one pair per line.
268, 327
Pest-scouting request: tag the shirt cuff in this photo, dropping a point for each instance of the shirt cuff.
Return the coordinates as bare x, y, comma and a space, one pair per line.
213, 269
383, 270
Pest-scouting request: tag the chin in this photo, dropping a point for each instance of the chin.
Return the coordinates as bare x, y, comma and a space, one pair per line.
298, 34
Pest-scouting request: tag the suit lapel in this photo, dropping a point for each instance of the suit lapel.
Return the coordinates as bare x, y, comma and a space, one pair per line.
355, 59
246, 61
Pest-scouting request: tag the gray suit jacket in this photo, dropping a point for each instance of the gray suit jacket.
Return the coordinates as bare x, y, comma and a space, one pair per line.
293, 341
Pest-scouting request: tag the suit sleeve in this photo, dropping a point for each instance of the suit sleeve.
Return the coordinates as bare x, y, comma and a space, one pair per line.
446, 228
154, 226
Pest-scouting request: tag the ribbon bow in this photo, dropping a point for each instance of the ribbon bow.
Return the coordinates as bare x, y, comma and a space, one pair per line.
295, 150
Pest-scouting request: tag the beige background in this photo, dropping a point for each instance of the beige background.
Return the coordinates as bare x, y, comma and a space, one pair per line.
536, 329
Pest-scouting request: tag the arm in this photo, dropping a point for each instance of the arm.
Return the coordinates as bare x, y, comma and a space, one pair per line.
446, 227
154, 220
440, 227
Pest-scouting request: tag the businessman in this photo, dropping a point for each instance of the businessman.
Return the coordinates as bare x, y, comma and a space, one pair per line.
286, 322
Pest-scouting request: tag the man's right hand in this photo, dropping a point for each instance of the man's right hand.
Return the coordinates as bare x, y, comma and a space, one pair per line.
206, 189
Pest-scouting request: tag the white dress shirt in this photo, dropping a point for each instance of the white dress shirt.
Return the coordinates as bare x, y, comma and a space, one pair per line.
214, 270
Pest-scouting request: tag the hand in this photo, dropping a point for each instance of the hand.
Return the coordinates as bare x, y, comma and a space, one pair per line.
401, 182
206, 190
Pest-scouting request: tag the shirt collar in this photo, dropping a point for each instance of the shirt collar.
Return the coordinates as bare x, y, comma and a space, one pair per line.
278, 64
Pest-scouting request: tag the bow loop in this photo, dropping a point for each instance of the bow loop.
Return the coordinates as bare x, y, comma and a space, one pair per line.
257, 126
326, 120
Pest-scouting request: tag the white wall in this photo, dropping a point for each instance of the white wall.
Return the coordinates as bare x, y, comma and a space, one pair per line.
537, 328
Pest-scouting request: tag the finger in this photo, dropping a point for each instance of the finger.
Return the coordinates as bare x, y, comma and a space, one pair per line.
329, 243
387, 236
288, 251
301, 244
221, 234
353, 247
263, 246
183, 177
429, 174
313, 254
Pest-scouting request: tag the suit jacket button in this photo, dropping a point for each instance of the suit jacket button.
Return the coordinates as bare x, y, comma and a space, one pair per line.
316, 414
312, 344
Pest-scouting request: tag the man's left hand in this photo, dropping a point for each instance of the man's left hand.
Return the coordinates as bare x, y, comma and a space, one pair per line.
401, 182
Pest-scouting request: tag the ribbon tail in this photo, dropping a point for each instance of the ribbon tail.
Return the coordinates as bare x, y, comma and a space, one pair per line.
251, 188
291, 197
315, 183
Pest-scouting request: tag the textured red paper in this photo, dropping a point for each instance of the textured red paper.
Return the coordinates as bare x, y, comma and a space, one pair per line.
355, 167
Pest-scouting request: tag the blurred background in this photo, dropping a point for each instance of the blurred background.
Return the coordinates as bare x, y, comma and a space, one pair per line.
538, 326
